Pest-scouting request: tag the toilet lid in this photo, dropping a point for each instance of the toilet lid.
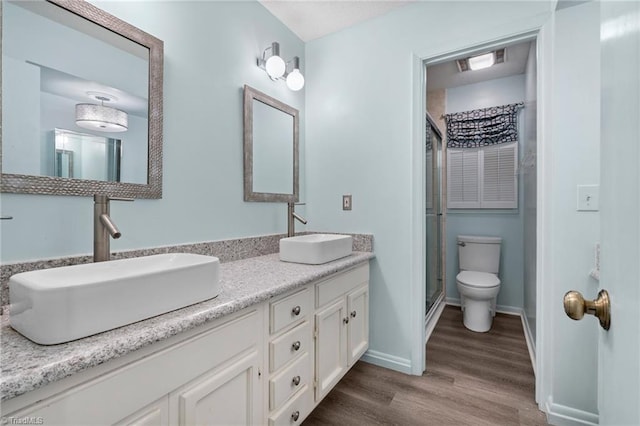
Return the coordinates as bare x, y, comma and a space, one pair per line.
478, 279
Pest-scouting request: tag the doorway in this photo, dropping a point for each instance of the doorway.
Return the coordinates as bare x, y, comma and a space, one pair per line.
452, 89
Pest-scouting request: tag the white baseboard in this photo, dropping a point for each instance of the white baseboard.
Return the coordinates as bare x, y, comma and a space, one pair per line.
561, 415
392, 362
531, 344
432, 317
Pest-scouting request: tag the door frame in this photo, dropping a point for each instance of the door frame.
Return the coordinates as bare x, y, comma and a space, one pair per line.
418, 221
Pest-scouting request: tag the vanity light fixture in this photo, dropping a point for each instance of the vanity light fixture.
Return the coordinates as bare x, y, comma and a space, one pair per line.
100, 117
274, 65
295, 79
277, 69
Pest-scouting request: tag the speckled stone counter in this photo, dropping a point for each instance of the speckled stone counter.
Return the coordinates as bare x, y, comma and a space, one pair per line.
27, 366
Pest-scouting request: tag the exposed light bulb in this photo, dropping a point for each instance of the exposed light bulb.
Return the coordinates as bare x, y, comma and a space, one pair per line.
275, 66
295, 80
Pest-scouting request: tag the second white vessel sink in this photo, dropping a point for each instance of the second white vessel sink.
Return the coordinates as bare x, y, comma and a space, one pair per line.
315, 249
61, 304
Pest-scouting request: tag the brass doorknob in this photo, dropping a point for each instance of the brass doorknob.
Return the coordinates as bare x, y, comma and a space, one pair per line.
575, 306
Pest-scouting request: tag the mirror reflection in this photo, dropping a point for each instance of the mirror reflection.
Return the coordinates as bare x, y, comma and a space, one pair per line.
270, 149
95, 87
85, 156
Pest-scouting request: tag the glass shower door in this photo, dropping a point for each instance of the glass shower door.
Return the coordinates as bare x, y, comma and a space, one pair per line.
433, 187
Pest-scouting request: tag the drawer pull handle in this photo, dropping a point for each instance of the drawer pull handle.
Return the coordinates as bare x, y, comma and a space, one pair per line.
345, 320
296, 345
295, 416
353, 314
296, 380
296, 311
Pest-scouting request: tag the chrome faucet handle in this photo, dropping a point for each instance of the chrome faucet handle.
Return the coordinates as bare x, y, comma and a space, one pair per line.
299, 204
119, 198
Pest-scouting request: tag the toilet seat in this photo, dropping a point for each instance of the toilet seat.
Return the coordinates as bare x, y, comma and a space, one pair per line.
478, 279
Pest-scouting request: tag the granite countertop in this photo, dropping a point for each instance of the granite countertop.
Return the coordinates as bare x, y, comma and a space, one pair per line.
27, 366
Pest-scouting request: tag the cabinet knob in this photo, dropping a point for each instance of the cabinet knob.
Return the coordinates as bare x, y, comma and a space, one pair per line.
353, 314
295, 416
296, 380
345, 320
296, 345
296, 311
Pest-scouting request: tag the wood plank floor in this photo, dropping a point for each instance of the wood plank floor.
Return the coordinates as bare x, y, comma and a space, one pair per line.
471, 379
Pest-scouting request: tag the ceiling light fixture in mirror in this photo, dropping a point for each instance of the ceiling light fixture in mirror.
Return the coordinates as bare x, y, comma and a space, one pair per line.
72, 67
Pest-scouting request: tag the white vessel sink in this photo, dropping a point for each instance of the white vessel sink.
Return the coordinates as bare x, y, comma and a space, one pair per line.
61, 304
315, 249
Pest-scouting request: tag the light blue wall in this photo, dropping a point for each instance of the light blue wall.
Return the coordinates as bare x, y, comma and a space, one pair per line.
210, 52
506, 223
360, 106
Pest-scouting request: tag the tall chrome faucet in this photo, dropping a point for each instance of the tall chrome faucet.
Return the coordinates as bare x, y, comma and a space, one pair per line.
292, 216
103, 227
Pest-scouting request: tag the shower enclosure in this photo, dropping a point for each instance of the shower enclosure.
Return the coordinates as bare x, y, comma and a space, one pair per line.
433, 187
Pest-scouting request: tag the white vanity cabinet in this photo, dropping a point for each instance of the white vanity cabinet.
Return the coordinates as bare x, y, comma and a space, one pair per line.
290, 358
341, 326
211, 377
270, 363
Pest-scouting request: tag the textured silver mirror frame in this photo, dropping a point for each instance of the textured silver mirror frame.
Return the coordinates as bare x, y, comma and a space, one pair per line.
27, 184
249, 195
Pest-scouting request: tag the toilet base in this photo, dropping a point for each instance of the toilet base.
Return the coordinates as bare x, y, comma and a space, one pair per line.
477, 315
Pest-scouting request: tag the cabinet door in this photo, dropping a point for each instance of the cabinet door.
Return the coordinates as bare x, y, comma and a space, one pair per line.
358, 330
228, 395
331, 346
154, 414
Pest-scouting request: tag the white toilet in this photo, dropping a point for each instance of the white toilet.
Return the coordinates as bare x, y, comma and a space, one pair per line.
478, 282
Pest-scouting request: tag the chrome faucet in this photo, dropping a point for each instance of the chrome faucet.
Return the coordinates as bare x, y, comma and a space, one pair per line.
292, 216
103, 227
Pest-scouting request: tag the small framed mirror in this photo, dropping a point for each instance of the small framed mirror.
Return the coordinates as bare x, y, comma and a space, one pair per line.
81, 102
270, 149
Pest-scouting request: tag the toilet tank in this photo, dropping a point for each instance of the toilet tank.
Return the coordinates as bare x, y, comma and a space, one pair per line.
478, 253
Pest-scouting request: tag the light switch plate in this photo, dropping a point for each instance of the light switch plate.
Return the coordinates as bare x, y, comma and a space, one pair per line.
346, 202
588, 198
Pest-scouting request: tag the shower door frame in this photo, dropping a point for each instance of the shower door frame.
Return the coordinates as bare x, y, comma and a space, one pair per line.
433, 312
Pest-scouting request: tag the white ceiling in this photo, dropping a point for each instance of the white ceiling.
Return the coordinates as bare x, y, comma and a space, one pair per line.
311, 19
445, 75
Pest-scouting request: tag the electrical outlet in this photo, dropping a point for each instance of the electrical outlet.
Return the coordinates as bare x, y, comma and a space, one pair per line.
346, 202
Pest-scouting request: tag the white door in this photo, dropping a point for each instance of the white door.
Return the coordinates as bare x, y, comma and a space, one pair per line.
619, 348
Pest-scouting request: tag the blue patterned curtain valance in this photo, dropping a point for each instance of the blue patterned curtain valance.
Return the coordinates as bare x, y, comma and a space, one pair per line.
482, 127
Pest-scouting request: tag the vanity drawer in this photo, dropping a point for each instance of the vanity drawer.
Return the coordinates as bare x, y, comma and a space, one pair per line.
294, 411
289, 381
288, 346
289, 310
331, 289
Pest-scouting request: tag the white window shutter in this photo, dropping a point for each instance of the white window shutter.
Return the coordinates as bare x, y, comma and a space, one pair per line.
482, 178
500, 184
462, 178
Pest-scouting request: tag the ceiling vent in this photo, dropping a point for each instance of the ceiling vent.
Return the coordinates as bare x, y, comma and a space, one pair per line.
484, 60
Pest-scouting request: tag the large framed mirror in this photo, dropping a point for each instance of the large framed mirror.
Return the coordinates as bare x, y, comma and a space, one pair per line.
270, 149
81, 102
